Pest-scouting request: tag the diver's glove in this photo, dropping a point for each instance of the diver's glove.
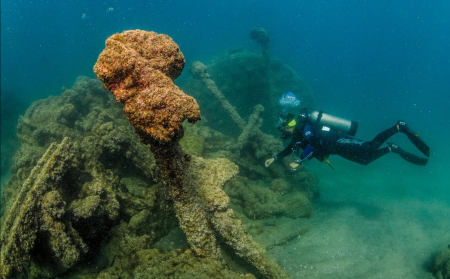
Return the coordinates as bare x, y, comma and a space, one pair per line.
307, 154
270, 161
298, 161
294, 165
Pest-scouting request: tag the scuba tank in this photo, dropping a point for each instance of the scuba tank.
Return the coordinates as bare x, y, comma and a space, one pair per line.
320, 119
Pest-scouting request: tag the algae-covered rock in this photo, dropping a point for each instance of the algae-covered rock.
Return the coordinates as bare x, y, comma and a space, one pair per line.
155, 264
259, 200
441, 265
135, 186
296, 205
280, 186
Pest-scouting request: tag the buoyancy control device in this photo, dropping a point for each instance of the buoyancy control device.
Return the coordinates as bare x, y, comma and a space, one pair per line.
322, 119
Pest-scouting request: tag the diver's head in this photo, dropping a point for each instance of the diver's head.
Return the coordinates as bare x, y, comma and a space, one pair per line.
286, 125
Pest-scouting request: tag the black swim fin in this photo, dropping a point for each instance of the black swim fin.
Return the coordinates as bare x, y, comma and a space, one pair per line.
416, 160
413, 137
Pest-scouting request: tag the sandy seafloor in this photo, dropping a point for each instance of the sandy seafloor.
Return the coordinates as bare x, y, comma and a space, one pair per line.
376, 221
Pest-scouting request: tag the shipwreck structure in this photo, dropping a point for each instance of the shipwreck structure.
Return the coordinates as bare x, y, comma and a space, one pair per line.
139, 67
93, 196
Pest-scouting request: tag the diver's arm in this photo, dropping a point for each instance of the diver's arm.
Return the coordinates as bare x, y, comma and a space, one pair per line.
285, 152
312, 141
288, 150
296, 139
306, 154
309, 149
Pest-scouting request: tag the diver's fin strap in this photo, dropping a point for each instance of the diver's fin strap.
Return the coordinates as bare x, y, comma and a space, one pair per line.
327, 160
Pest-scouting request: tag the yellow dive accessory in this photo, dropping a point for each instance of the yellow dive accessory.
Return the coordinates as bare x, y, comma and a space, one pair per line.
292, 123
327, 160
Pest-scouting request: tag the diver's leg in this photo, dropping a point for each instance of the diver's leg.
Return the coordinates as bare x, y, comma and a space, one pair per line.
379, 153
406, 155
413, 137
402, 127
379, 139
354, 150
369, 155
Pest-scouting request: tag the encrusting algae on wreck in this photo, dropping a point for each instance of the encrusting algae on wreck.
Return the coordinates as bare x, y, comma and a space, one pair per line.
139, 69
23, 223
112, 212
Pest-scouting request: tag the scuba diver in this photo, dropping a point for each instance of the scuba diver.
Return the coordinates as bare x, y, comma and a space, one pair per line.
320, 135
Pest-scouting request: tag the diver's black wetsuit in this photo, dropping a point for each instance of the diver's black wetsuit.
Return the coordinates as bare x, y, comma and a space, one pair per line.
322, 143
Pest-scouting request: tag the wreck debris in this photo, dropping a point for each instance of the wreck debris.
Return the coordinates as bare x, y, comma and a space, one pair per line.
40, 209
198, 70
252, 127
156, 107
262, 37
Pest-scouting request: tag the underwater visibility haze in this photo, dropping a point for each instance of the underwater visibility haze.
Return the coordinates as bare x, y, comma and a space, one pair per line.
102, 177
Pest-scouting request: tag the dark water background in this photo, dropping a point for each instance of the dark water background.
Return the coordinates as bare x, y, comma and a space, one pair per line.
370, 61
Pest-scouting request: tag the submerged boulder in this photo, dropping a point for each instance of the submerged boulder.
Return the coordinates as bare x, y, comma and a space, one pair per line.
441, 265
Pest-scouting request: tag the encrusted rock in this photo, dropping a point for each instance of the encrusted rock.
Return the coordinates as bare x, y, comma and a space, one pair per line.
441, 265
